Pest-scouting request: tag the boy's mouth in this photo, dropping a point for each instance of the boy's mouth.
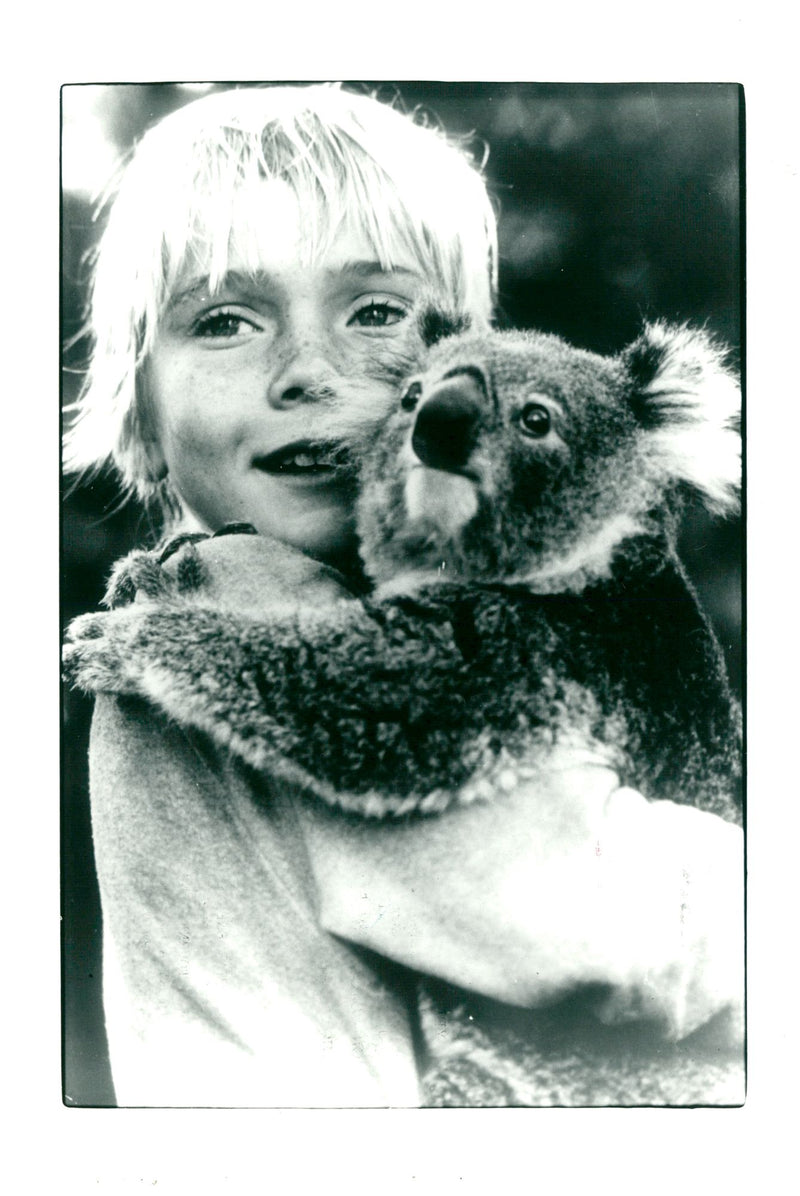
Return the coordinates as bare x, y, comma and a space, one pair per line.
306, 458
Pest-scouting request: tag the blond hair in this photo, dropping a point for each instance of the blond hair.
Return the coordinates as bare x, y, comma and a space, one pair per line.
345, 155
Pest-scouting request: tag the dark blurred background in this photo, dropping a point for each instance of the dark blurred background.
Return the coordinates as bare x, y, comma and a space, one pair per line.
617, 202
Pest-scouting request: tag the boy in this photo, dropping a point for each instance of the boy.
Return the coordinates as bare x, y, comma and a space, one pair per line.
261, 257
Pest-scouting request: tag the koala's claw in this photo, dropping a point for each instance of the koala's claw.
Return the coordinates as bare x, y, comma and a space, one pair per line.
177, 542
142, 574
138, 573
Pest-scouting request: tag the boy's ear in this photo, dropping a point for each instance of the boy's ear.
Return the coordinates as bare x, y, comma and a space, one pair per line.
143, 430
155, 461
142, 461
139, 449
688, 402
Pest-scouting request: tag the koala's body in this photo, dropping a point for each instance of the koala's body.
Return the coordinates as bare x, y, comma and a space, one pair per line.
517, 519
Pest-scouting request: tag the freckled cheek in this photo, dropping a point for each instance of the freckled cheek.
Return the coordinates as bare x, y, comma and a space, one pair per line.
199, 419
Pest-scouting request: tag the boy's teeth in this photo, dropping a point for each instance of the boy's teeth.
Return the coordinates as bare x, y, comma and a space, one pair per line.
311, 459
304, 457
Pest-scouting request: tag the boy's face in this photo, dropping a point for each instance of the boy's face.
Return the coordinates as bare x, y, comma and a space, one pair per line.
239, 378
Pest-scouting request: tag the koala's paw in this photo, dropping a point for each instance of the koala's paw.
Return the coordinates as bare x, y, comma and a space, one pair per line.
141, 575
99, 652
146, 575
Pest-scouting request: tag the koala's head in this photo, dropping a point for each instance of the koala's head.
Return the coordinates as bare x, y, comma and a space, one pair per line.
516, 456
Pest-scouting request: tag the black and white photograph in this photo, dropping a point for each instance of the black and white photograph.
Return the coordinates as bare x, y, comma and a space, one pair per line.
401, 595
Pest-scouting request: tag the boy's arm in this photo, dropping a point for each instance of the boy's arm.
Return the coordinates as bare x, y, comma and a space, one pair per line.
548, 889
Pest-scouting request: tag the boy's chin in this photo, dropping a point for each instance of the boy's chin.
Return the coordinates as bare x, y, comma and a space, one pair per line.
333, 542
341, 553
345, 560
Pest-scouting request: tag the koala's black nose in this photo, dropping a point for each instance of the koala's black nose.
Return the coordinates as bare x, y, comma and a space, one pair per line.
447, 425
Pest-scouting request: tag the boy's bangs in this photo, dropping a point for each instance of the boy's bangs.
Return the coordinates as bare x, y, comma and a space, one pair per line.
338, 187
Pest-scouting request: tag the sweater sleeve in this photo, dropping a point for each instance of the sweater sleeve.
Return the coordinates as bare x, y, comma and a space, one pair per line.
220, 987
554, 887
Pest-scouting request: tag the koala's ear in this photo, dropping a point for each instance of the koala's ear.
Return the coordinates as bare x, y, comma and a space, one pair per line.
689, 403
435, 324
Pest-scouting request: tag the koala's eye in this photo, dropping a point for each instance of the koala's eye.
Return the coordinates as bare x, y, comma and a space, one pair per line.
535, 420
411, 397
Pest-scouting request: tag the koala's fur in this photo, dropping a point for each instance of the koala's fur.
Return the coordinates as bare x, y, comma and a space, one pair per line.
517, 518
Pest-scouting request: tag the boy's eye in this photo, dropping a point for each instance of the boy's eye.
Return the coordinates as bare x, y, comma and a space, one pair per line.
377, 313
223, 323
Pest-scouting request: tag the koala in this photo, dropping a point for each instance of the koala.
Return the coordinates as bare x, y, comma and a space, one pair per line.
517, 517
527, 493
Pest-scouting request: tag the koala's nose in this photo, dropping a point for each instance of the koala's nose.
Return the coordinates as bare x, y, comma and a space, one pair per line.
448, 422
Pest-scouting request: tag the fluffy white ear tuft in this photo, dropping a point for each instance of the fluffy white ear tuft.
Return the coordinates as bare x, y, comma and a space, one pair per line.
689, 402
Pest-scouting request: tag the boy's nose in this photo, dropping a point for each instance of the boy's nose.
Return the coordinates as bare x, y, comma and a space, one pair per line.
303, 375
299, 383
